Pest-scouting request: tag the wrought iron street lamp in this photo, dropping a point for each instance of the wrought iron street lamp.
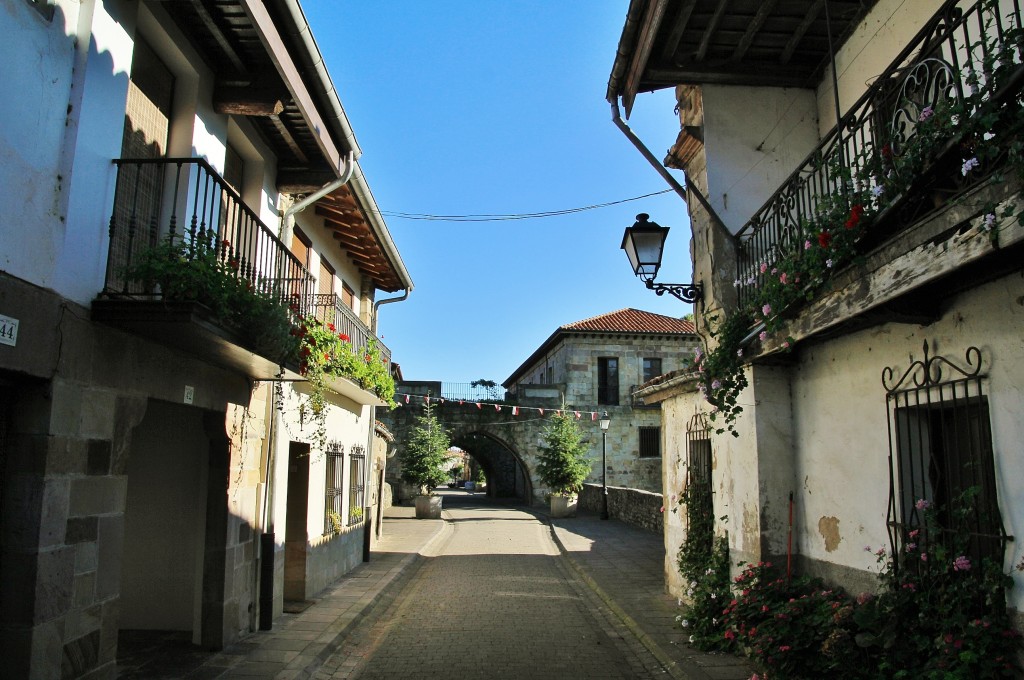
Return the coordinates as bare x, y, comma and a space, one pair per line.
644, 244
604, 422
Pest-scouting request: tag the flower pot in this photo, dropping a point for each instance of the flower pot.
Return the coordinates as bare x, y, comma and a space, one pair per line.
428, 507
563, 506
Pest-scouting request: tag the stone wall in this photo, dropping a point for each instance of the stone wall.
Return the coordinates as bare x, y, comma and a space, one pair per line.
640, 508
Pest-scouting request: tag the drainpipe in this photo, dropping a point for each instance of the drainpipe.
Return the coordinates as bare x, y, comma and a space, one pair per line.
645, 152
663, 171
385, 301
288, 216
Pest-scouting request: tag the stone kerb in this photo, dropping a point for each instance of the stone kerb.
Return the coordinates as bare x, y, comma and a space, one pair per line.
639, 508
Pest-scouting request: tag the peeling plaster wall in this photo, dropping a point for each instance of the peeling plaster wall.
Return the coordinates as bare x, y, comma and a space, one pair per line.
840, 415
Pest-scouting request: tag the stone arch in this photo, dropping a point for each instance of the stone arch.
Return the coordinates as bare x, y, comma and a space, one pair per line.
508, 474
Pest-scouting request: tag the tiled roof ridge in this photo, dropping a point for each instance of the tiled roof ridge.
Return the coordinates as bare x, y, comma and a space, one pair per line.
632, 320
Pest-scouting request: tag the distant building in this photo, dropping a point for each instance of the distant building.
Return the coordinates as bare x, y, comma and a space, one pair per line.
597, 364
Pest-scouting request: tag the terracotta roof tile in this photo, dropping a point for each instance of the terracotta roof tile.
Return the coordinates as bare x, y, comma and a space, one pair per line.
632, 321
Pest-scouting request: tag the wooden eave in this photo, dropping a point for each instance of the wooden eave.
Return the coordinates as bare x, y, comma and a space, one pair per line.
263, 72
345, 220
774, 43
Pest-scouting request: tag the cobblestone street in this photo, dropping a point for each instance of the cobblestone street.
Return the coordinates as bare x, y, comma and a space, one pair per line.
494, 599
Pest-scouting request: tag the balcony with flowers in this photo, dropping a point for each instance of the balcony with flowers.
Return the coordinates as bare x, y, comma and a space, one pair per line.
913, 196
193, 267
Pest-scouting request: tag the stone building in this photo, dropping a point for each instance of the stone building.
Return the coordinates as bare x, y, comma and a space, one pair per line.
899, 380
596, 365
157, 471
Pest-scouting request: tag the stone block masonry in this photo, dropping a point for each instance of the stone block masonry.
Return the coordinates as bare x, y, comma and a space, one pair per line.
639, 508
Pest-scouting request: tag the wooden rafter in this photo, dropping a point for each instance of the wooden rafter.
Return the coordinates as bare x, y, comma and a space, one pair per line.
800, 31
668, 52
709, 32
753, 28
218, 36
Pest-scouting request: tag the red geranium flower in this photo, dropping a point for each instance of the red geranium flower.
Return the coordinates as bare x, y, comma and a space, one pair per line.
855, 215
342, 337
330, 327
824, 239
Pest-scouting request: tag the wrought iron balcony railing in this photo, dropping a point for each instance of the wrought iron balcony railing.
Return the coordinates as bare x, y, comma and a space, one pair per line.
184, 202
329, 308
954, 60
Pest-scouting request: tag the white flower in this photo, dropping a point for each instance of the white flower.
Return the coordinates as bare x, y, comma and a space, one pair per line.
877, 190
686, 623
990, 221
737, 283
714, 596
709, 572
969, 164
692, 638
828, 263
679, 618
680, 602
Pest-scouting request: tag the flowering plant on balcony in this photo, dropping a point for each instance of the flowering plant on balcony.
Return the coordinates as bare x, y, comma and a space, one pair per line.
207, 271
326, 353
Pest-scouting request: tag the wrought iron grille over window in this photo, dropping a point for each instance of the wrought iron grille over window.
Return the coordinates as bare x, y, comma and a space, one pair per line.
940, 452
357, 471
650, 441
699, 492
334, 486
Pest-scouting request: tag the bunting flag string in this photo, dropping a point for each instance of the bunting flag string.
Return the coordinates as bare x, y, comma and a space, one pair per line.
403, 397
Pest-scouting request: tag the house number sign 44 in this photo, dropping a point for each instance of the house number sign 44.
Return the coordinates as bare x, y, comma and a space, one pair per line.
8, 331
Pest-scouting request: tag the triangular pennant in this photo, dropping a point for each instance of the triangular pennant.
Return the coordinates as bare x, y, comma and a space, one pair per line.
541, 411
479, 405
515, 410
497, 408
407, 399
593, 416
577, 414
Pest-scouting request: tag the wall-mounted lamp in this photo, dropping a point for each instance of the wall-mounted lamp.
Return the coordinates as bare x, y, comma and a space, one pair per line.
644, 244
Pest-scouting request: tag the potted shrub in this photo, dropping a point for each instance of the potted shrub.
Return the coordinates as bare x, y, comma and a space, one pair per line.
423, 461
562, 464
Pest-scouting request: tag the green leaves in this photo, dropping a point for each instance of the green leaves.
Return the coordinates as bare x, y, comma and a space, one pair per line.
562, 464
424, 454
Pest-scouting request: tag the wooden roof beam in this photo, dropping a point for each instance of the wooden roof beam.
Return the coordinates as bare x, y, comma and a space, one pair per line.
668, 52
248, 101
753, 28
800, 31
709, 32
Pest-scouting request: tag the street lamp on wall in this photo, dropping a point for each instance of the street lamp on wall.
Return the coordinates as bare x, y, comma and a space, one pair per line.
644, 244
604, 422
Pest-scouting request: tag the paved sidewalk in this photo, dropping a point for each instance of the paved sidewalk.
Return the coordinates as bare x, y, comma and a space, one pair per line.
624, 565
621, 564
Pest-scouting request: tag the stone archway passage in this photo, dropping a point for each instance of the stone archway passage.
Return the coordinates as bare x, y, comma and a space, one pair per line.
507, 476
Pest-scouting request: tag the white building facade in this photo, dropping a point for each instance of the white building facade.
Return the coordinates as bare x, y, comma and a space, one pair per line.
159, 469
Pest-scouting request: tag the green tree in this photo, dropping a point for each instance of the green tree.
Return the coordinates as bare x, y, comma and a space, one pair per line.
424, 456
563, 465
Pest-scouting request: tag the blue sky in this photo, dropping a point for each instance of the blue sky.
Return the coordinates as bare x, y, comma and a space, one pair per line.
466, 107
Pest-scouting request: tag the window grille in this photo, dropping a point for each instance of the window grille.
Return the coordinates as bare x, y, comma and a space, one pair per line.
334, 486
650, 441
357, 472
699, 491
940, 451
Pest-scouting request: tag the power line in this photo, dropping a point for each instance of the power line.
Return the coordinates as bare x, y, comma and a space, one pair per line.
499, 217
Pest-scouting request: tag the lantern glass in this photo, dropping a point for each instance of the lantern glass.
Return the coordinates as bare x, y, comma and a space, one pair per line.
644, 244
